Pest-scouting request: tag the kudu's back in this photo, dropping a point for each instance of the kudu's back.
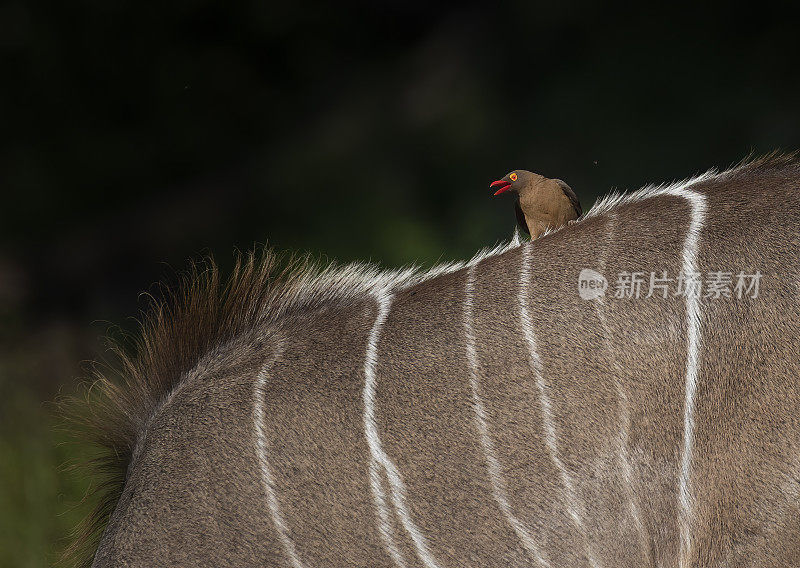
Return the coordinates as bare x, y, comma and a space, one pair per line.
504, 413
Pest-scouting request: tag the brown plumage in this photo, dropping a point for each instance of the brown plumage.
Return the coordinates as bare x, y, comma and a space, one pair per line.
542, 203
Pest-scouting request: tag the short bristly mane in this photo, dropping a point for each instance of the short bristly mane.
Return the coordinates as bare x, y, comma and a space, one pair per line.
615, 199
204, 314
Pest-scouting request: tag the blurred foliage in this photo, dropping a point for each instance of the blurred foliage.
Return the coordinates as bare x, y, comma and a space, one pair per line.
135, 135
40, 502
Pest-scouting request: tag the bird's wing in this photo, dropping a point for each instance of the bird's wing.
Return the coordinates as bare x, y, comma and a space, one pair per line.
523, 224
573, 199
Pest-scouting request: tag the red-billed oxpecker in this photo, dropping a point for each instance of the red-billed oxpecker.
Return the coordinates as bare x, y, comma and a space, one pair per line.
542, 203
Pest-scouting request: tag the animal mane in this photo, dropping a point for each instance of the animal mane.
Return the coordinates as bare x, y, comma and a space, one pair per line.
749, 165
204, 313
191, 323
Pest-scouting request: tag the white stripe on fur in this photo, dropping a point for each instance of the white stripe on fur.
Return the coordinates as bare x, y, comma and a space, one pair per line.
378, 455
698, 203
385, 525
574, 506
499, 490
259, 393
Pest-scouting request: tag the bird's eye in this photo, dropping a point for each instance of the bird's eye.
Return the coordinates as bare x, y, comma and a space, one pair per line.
513, 177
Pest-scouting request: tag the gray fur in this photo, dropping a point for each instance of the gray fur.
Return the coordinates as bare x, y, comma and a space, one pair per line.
604, 494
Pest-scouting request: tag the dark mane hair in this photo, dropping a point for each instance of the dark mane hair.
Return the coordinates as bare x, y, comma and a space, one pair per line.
174, 333
774, 160
204, 312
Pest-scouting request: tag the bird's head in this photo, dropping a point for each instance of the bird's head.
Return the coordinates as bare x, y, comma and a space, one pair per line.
513, 181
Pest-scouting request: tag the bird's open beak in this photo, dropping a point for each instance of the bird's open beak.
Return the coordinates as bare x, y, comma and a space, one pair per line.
502, 186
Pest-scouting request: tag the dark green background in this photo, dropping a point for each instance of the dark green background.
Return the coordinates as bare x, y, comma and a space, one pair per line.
136, 135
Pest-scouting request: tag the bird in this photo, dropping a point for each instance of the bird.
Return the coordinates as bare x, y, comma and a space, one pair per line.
542, 203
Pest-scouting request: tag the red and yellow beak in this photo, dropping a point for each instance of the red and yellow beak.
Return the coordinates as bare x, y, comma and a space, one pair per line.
502, 185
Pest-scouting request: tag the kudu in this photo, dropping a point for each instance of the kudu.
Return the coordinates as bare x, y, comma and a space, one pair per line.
483, 414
